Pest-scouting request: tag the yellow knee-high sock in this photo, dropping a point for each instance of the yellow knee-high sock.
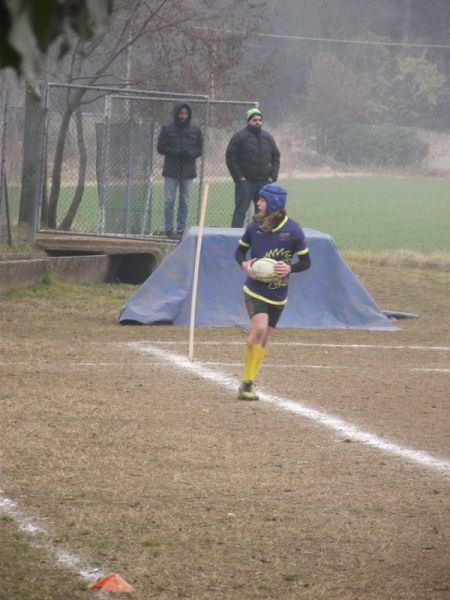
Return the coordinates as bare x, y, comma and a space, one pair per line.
251, 355
260, 353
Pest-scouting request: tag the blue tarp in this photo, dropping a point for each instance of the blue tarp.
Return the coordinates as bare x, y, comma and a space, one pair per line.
328, 295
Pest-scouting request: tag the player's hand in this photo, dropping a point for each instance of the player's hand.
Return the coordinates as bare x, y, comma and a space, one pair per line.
247, 267
282, 269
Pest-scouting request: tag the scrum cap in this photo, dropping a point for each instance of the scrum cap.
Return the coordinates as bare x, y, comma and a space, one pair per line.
274, 195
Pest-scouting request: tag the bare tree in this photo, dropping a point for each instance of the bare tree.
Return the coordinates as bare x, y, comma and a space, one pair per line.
173, 40
335, 96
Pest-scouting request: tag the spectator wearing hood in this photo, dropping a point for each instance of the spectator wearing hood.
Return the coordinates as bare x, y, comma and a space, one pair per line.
181, 143
273, 235
253, 160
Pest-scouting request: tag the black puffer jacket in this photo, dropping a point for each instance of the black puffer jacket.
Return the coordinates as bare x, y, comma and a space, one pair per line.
252, 153
180, 143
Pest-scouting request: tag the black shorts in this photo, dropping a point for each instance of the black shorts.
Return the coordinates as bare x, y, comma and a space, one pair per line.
255, 306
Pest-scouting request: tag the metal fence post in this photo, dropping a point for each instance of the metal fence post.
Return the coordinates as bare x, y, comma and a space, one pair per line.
130, 165
42, 169
147, 219
3, 159
103, 163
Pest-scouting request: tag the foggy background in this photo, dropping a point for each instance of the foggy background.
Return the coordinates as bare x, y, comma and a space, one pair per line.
344, 85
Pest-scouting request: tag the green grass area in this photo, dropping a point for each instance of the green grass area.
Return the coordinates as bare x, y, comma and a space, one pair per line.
370, 213
375, 213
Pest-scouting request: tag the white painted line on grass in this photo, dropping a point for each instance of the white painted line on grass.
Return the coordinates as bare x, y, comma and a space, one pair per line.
370, 346
424, 369
318, 367
269, 364
39, 539
330, 422
136, 365
313, 345
277, 365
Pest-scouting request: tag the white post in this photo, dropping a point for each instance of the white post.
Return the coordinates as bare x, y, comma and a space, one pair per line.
201, 225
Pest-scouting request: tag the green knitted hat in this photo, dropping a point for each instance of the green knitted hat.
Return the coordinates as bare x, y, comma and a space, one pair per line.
253, 112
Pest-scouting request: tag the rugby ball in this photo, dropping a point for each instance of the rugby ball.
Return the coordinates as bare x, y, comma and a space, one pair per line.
263, 269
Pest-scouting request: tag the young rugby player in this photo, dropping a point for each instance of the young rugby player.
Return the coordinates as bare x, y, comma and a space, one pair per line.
273, 235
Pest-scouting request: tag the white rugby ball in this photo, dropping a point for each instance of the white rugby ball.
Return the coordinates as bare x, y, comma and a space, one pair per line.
263, 268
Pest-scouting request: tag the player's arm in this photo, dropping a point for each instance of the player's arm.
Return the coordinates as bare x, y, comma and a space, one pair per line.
303, 263
240, 254
283, 269
301, 253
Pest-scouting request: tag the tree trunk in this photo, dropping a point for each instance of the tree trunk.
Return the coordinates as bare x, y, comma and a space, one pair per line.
57, 168
66, 223
407, 21
32, 154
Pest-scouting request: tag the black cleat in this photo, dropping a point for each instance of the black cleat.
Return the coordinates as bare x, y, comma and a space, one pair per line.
246, 391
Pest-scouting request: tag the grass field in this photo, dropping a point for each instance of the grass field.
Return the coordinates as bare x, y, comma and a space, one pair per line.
375, 213
369, 213
139, 467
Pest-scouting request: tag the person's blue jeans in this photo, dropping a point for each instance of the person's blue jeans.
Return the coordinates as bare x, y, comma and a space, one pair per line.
244, 192
171, 184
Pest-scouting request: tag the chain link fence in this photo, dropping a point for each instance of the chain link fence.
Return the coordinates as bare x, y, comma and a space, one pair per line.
102, 172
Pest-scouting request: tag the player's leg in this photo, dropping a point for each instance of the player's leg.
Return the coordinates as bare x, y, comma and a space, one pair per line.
254, 351
274, 314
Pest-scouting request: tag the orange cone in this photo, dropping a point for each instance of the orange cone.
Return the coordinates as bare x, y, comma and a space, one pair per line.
112, 583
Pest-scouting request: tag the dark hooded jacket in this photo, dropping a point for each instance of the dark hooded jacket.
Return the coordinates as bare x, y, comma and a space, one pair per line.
180, 143
252, 153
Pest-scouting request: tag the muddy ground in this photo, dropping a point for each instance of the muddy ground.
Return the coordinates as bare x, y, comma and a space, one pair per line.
155, 471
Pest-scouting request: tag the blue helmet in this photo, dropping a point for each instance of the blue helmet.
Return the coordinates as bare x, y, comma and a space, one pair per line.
275, 196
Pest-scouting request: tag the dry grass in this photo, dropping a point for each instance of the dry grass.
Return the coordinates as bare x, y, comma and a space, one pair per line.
439, 261
168, 480
27, 573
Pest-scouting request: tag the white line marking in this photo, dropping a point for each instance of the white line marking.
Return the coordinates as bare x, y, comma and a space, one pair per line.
313, 345
136, 365
73, 562
424, 369
330, 367
370, 346
276, 365
331, 422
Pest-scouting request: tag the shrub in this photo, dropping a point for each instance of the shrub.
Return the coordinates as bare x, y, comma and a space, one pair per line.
382, 146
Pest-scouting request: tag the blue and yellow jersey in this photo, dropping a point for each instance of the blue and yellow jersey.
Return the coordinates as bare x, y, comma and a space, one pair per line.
282, 243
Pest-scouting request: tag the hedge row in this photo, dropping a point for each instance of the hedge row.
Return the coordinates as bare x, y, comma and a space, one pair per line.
383, 146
